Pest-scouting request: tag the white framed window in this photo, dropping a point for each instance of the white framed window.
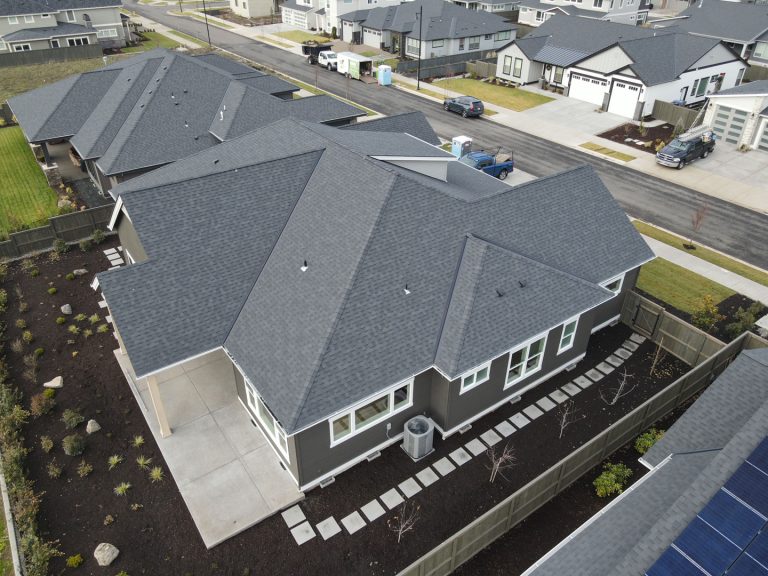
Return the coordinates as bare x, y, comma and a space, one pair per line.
267, 420
474, 42
22, 48
70, 15
475, 378
55, 43
79, 41
518, 70
437, 43
568, 335
366, 413
13, 20
488, 36
526, 360
2, 44
507, 65
506, 35
412, 46
106, 33
29, 18
539, 16
614, 284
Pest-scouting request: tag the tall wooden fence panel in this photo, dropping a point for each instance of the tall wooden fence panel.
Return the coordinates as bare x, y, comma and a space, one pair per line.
755, 73
442, 66
481, 69
51, 55
463, 545
673, 114
68, 227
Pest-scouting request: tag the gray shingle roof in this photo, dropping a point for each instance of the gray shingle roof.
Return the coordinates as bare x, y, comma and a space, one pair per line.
355, 16
14, 7
413, 123
313, 342
724, 20
570, 10
62, 29
293, 5
757, 88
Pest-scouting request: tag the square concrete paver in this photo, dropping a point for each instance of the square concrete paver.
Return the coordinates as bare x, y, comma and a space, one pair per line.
303, 533
427, 477
582, 382
391, 498
559, 396
605, 368
614, 361
353, 522
444, 466
594, 375
519, 420
475, 447
109, 251
328, 528
571, 389
460, 456
294, 515
490, 437
637, 338
235, 422
505, 429
275, 484
623, 353
545, 404
182, 402
372, 510
215, 383
409, 487
630, 345
532, 412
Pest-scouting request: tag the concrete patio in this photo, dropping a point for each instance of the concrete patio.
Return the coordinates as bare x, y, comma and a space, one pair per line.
227, 473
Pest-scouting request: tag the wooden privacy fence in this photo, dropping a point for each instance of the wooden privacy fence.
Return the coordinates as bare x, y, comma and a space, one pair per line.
678, 337
51, 55
68, 227
755, 73
673, 114
442, 66
463, 545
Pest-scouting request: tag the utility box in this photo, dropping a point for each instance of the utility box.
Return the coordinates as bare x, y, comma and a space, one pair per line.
418, 436
384, 75
461, 146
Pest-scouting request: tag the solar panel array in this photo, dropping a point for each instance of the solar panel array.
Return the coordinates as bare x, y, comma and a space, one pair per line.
730, 534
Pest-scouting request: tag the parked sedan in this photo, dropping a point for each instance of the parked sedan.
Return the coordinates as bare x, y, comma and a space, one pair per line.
464, 105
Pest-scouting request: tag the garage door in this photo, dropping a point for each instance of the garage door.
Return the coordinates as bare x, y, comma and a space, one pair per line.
762, 144
587, 89
729, 123
624, 99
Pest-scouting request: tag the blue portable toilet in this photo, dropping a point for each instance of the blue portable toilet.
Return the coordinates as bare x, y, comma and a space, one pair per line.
461, 146
385, 75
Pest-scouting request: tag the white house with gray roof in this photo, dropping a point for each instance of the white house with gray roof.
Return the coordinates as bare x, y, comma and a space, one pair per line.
619, 68
46, 24
536, 12
357, 277
447, 29
325, 15
740, 115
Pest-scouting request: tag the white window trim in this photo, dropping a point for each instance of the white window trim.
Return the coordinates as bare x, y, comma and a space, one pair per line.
106, 33
21, 47
274, 432
350, 412
560, 347
620, 278
29, 18
72, 41
526, 346
74, 16
13, 20
56, 40
475, 383
2, 44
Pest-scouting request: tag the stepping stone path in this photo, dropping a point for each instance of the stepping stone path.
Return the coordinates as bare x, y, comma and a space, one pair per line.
545, 404
490, 437
475, 447
582, 382
409, 488
353, 522
614, 361
630, 345
532, 412
623, 353
460, 456
391, 498
519, 420
637, 338
302, 533
372, 510
444, 466
605, 368
293, 516
427, 477
571, 389
103, 304
559, 396
328, 528
505, 429
594, 375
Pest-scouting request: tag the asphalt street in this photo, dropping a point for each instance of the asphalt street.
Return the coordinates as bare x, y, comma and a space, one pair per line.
735, 230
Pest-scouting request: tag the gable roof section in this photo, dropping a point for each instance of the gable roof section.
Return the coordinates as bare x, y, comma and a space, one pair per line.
61, 29
413, 123
756, 88
314, 342
724, 20
14, 7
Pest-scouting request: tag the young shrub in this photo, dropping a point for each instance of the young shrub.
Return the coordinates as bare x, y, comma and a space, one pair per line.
46, 444
3, 300
122, 573
87, 333
53, 469
80, 317
138, 441
143, 461
646, 440
71, 418
40, 404
98, 236
745, 319
34, 273
70, 276
122, 488
27, 337
49, 393
23, 307
30, 368
612, 480
73, 329
21, 323
28, 265
113, 461
103, 328
52, 290
109, 519
84, 469
94, 319
156, 474
84, 245
73, 445
39, 352
74, 561
705, 313
61, 320
59, 246
17, 346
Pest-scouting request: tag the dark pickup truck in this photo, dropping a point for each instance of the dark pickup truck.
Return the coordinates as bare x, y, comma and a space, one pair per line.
685, 149
499, 165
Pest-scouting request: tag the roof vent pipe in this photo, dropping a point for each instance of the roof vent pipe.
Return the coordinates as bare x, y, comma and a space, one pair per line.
305, 267
406, 290
521, 283
221, 115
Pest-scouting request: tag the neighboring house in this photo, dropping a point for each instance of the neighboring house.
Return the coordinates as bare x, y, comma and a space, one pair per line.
325, 15
619, 68
253, 8
447, 29
633, 12
742, 26
413, 123
136, 115
358, 278
695, 492
44, 24
740, 115
489, 5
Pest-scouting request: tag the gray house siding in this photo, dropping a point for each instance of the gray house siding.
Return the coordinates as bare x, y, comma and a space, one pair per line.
129, 240
440, 398
612, 308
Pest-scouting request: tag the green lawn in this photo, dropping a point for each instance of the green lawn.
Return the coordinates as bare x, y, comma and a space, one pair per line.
711, 256
154, 40
6, 562
301, 36
677, 286
25, 198
517, 99
369, 53
18, 79
607, 151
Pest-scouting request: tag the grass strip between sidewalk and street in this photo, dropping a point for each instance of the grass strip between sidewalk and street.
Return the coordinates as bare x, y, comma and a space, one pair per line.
607, 151
678, 286
711, 256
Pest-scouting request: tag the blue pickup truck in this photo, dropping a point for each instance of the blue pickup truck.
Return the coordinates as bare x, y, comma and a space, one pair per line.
497, 165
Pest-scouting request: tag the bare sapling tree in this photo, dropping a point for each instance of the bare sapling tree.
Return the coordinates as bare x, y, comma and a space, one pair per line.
567, 415
405, 520
658, 356
612, 395
697, 220
500, 461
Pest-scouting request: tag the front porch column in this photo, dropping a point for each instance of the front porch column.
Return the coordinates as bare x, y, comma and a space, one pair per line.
157, 404
46, 154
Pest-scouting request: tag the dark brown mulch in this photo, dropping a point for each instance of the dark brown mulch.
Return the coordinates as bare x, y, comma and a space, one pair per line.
159, 538
627, 134
525, 543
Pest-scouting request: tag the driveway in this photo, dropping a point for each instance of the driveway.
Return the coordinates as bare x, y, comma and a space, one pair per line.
747, 167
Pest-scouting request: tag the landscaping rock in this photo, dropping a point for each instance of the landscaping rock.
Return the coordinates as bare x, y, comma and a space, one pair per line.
80, 272
92, 427
105, 554
57, 382
64, 203
66, 309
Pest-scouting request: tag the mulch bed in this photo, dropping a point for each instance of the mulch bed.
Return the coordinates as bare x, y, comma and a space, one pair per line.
159, 537
628, 134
